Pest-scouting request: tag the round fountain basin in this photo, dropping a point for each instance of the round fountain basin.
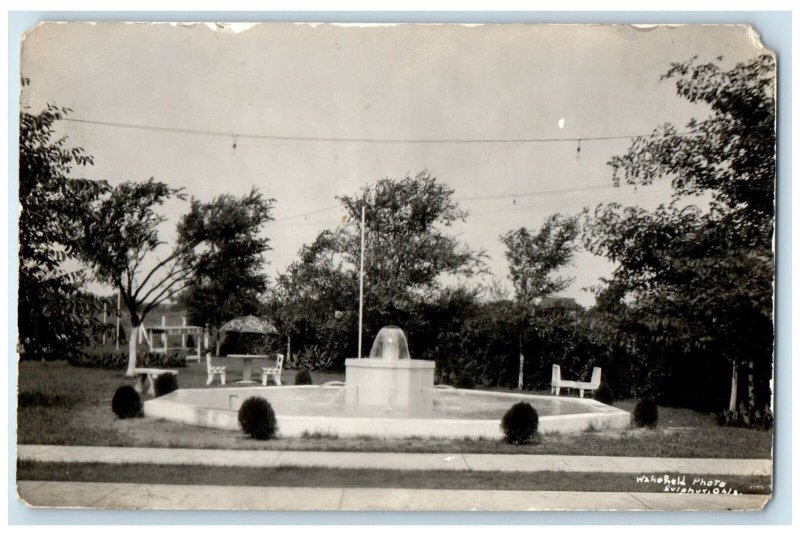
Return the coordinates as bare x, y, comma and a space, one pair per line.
455, 413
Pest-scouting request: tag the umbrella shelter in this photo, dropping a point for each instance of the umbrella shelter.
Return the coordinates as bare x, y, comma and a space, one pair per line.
248, 324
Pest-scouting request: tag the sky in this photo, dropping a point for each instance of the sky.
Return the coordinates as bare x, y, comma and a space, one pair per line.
307, 112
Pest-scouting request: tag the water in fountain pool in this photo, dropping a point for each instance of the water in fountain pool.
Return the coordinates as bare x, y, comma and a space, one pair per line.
330, 402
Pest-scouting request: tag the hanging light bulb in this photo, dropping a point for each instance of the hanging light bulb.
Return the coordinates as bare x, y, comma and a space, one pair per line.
235, 140
578, 152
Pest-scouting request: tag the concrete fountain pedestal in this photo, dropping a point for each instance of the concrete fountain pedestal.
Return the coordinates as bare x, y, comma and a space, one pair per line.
386, 383
389, 378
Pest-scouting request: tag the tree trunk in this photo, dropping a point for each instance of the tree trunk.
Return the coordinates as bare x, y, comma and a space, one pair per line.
520, 381
751, 386
734, 386
132, 351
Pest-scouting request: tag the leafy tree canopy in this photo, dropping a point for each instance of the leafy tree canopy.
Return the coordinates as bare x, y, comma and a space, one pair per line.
407, 251
730, 154
407, 247
121, 232
535, 258
699, 277
228, 278
55, 315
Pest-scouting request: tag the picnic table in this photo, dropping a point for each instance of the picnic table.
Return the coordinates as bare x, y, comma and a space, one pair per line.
247, 365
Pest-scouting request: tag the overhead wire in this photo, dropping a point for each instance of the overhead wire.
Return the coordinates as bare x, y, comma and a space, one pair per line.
514, 196
495, 208
239, 135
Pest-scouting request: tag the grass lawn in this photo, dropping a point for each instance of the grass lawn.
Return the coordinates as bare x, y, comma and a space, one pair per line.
66, 405
373, 478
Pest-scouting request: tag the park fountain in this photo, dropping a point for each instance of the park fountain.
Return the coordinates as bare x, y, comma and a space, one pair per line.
389, 378
387, 394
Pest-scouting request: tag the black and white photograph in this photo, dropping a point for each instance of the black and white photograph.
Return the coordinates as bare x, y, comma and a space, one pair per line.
396, 267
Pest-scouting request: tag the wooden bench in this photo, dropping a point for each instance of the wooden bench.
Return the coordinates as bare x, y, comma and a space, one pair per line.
151, 374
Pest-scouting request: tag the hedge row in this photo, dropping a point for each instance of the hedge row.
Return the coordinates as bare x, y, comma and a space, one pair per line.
106, 359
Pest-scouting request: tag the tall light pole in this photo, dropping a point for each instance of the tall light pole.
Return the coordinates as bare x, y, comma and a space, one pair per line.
361, 283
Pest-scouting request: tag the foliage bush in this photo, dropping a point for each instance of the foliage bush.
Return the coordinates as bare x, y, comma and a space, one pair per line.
314, 357
168, 360
165, 384
127, 403
604, 394
257, 418
645, 413
303, 377
520, 423
461, 333
762, 419
99, 358
465, 381
104, 358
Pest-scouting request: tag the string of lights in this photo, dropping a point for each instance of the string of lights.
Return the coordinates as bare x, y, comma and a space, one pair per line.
236, 136
491, 208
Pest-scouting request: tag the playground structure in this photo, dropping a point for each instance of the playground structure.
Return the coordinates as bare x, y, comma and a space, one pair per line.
163, 332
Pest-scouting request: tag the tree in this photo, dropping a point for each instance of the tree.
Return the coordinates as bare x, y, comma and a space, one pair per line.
407, 248
703, 278
55, 316
120, 233
534, 259
314, 299
407, 251
228, 279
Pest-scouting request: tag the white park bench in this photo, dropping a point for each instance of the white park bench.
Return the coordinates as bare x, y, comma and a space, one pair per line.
214, 370
556, 383
275, 371
151, 374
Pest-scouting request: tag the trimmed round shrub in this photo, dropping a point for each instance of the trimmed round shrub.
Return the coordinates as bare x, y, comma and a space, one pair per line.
127, 403
303, 377
520, 423
165, 384
604, 394
645, 413
257, 418
465, 381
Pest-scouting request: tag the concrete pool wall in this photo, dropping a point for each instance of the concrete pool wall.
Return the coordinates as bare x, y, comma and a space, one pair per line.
214, 408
